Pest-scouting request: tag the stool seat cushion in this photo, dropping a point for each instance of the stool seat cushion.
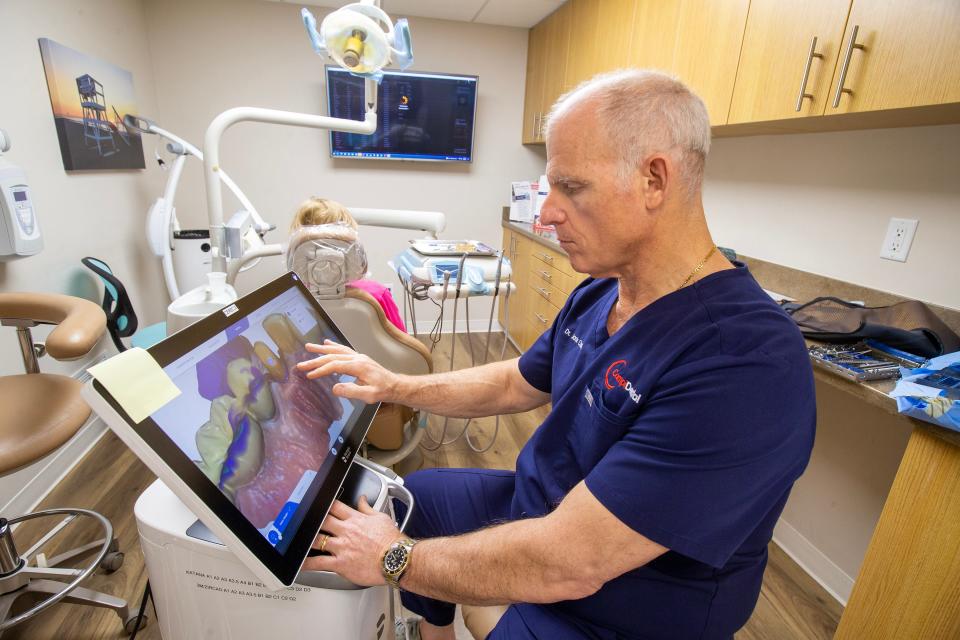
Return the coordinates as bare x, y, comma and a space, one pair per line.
40, 412
480, 621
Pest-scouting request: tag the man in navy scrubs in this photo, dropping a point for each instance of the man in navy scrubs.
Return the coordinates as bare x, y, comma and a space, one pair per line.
682, 411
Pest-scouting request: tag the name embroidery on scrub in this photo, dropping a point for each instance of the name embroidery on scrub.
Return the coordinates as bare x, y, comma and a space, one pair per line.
613, 379
576, 340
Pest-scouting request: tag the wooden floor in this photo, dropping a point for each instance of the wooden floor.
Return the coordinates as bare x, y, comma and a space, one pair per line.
110, 478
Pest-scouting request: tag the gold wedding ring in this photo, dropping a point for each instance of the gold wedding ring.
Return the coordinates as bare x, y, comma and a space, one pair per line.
324, 543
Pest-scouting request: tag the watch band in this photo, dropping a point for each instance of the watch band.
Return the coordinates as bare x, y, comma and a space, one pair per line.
395, 561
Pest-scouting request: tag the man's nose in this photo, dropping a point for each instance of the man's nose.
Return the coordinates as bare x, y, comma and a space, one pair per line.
550, 212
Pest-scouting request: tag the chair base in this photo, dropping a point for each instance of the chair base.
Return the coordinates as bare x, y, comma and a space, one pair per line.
45, 580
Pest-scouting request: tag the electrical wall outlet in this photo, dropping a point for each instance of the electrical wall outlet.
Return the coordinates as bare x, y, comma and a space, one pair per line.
896, 245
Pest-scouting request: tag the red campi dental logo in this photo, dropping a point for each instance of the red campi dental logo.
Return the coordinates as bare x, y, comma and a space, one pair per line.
613, 379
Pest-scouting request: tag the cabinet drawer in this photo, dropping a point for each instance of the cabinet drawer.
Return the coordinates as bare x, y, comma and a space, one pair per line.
543, 273
548, 292
541, 314
551, 258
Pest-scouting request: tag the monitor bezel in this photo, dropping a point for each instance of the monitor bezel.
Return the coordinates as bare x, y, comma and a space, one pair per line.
284, 566
473, 131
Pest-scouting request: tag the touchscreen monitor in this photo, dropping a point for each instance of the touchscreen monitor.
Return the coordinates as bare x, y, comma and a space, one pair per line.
263, 447
259, 430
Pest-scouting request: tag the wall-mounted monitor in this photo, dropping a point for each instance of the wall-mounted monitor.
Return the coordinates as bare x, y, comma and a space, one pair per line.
420, 116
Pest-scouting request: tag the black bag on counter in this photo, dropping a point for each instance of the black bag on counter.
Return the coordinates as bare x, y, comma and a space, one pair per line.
909, 326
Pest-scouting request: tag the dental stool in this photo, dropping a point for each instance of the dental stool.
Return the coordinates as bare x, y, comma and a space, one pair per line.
121, 318
41, 412
479, 620
328, 257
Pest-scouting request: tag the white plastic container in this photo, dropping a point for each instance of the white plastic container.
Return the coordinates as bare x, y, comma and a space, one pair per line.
200, 302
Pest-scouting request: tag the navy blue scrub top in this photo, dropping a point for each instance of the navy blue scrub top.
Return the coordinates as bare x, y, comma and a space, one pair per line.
690, 424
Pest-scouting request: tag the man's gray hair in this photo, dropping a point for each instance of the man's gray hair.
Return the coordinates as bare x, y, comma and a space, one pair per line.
646, 112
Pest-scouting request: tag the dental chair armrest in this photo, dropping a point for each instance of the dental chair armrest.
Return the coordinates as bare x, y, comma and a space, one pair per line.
395, 333
80, 323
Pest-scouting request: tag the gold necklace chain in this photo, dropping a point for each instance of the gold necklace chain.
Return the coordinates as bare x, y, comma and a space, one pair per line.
699, 266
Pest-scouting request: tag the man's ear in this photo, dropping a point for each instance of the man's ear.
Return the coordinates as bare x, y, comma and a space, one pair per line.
656, 174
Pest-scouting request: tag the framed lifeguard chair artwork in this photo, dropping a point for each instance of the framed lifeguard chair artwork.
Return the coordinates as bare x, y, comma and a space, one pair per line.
89, 98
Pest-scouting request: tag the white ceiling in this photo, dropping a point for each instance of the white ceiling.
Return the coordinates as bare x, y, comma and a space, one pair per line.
510, 13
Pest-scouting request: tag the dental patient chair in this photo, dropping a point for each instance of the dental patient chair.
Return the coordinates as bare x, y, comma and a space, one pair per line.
327, 257
41, 411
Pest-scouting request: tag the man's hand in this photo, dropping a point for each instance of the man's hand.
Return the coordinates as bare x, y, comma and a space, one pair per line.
356, 542
374, 383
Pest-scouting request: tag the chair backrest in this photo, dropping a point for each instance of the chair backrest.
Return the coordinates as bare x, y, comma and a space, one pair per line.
363, 322
121, 318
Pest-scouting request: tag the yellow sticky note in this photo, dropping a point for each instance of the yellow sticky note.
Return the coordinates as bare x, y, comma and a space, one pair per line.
136, 382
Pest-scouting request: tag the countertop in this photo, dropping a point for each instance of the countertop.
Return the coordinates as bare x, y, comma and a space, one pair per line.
803, 285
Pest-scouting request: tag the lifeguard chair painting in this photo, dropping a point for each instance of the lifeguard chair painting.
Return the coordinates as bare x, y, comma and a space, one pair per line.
89, 98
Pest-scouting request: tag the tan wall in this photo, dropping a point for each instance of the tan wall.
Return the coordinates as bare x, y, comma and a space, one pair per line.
214, 55
98, 214
821, 202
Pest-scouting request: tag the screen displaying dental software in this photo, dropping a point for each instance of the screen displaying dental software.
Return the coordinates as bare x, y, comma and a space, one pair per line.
420, 116
257, 428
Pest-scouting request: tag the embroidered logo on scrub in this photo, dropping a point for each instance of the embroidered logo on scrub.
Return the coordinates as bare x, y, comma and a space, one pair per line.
613, 379
576, 339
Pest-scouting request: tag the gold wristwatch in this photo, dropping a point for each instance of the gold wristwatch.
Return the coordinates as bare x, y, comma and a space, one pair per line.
395, 561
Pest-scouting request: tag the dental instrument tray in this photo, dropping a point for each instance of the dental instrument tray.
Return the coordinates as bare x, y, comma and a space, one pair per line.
859, 362
429, 247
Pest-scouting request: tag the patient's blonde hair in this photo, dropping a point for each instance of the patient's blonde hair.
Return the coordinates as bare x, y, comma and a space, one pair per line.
316, 211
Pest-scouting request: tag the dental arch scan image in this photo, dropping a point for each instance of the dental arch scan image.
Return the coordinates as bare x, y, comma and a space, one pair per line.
254, 424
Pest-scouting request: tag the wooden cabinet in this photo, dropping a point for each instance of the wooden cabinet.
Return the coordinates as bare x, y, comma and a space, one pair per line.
555, 63
600, 38
537, 43
908, 583
910, 56
544, 280
517, 248
653, 34
707, 49
582, 54
777, 58
547, 51
748, 59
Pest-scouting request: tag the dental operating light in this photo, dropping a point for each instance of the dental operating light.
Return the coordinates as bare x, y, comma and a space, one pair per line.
360, 38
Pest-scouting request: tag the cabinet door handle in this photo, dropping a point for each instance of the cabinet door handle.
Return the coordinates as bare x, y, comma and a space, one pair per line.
846, 66
544, 292
546, 258
541, 318
546, 276
806, 73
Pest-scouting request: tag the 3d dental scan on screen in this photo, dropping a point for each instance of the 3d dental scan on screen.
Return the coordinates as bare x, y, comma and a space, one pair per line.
272, 434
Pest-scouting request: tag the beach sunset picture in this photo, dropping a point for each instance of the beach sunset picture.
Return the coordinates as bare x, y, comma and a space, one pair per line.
89, 98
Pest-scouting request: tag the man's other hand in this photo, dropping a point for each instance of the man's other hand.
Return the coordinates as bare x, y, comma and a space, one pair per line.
356, 541
373, 382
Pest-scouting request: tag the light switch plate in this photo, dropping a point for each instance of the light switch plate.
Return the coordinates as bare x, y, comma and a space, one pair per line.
896, 244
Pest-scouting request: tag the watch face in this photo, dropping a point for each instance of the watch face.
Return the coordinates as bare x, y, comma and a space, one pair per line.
394, 559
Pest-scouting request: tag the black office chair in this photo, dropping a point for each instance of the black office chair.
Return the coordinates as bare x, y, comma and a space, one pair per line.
121, 318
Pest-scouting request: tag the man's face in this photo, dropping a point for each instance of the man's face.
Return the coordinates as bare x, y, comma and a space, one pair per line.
599, 220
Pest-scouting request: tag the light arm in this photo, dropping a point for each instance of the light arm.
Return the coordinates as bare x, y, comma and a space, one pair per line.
211, 151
